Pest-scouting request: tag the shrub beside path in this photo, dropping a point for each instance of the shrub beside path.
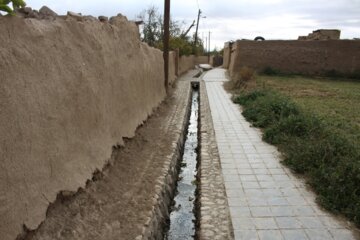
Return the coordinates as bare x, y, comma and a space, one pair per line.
266, 200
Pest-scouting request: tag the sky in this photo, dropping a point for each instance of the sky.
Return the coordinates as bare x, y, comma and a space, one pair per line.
229, 20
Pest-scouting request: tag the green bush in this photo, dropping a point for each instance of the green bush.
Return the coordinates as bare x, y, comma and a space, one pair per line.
270, 71
269, 109
15, 3
248, 98
355, 75
329, 159
334, 74
295, 125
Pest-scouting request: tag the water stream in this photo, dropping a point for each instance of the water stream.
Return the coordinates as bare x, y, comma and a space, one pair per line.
182, 216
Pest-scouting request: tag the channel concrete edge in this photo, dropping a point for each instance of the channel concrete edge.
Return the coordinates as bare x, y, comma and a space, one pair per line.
166, 182
214, 215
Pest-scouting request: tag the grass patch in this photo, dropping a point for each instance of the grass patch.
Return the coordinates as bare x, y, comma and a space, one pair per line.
330, 74
335, 102
311, 123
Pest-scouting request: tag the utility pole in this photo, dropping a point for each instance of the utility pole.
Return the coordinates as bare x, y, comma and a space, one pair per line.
166, 41
197, 27
209, 48
206, 46
209, 41
187, 31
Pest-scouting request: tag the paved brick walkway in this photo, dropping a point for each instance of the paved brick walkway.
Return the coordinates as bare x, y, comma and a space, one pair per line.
266, 200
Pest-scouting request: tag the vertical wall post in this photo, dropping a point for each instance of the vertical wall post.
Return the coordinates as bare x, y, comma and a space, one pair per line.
166, 41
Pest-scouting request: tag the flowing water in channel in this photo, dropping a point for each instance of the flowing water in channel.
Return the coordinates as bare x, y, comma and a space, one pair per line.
182, 217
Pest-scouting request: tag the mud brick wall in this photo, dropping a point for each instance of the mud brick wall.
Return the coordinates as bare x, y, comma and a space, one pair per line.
172, 67
186, 63
226, 55
201, 60
70, 89
299, 57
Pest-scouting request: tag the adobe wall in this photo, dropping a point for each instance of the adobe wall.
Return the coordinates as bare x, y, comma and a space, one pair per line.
172, 67
233, 58
69, 91
305, 57
216, 60
226, 55
186, 63
201, 60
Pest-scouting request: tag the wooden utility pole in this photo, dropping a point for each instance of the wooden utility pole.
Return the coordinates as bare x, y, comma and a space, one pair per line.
209, 48
209, 41
197, 27
188, 30
206, 44
166, 41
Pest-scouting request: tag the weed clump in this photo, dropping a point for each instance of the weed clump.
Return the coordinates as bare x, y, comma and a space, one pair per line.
244, 79
330, 160
333, 74
270, 71
270, 107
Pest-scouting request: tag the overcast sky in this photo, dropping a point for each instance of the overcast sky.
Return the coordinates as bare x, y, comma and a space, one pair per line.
234, 19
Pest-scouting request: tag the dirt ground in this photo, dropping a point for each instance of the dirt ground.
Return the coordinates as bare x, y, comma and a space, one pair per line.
115, 204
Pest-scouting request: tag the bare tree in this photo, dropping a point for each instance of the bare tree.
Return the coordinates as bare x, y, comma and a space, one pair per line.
152, 32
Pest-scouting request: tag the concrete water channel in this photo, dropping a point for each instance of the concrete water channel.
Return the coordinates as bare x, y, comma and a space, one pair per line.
183, 216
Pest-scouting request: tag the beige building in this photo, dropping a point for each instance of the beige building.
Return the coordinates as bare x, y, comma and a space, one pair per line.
322, 34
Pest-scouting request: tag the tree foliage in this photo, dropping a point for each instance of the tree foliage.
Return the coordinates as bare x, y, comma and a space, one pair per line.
183, 44
152, 32
152, 29
15, 4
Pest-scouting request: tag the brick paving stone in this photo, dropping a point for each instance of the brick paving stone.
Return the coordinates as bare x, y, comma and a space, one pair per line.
266, 201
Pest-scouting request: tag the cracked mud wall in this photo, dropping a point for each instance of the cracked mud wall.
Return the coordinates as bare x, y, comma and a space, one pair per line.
69, 91
304, 57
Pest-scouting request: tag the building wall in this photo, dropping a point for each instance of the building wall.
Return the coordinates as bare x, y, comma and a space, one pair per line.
201, 60
186, 63
303, 57
322, 34
172, 67
69, 91
227, 55
216, 60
